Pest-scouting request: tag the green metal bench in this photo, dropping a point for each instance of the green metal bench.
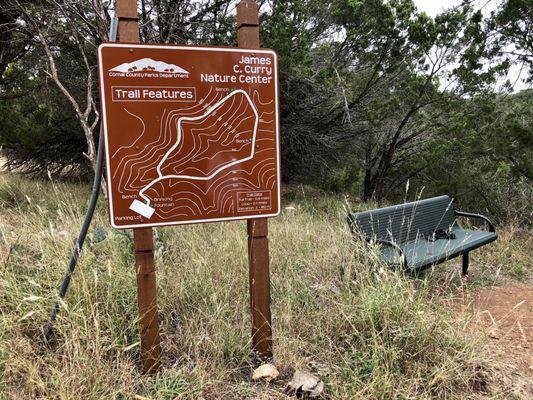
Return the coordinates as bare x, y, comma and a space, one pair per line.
402, 233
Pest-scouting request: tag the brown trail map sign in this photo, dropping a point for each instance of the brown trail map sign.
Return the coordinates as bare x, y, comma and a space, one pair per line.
191, 133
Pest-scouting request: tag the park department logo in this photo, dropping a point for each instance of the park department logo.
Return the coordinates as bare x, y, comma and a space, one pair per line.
148, 68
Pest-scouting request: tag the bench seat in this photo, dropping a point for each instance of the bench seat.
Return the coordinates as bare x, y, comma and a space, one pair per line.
401, 232
420, 252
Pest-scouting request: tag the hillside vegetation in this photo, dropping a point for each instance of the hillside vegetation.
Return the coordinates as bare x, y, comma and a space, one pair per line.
368, 332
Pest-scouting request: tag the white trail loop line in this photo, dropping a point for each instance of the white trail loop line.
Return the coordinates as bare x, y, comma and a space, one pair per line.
144, 209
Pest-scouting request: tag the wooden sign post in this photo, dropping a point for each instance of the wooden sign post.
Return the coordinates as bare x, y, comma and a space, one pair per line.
258, 255
128, 30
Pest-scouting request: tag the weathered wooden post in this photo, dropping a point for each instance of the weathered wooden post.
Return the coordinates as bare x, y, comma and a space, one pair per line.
258, 255
128, 30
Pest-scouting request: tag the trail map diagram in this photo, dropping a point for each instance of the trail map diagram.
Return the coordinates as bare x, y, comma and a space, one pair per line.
192, 134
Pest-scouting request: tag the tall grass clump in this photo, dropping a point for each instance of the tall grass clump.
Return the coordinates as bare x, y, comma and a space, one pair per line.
365, 330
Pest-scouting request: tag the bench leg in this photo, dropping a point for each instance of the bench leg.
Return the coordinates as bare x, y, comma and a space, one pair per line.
465, 263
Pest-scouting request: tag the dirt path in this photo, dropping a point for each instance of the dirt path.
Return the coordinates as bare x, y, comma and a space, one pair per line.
504, 317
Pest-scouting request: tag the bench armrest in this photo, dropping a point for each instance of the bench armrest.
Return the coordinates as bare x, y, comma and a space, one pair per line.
382, 242
478, 216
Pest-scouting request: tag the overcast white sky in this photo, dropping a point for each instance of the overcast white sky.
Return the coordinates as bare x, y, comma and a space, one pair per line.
434, 7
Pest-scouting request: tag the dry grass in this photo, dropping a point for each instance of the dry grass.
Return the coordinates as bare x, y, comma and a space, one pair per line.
366, 331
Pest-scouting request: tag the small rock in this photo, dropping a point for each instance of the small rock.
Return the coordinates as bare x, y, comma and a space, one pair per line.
305, 385
266, 372
493, 334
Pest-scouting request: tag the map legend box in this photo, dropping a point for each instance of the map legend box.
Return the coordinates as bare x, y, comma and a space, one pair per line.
251, 201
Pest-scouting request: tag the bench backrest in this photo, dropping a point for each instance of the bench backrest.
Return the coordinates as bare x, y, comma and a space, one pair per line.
404, 222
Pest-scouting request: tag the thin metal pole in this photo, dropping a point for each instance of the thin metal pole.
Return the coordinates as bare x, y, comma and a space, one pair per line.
78, 244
